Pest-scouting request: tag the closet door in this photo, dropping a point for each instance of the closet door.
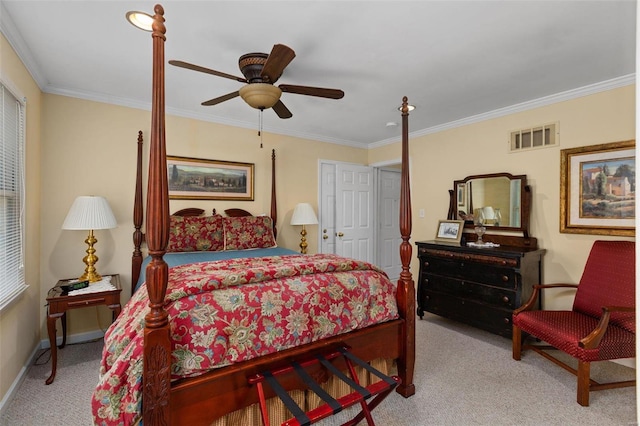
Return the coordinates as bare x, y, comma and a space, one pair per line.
354, 227
327, 219
388, 237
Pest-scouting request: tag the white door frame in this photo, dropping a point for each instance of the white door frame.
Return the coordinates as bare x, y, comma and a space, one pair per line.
376, 166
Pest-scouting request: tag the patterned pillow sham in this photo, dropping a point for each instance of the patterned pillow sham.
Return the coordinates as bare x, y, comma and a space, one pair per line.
196, 234
248, 232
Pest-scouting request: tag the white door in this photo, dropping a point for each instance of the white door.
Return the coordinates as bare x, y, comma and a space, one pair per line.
354, 227
389, 239
327, 219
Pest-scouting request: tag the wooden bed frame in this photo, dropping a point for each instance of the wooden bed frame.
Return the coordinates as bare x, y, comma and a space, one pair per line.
202, 399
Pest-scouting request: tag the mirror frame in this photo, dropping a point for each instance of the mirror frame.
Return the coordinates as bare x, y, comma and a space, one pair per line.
525, 202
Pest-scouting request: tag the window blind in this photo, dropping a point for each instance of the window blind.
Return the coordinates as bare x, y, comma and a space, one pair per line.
11, 197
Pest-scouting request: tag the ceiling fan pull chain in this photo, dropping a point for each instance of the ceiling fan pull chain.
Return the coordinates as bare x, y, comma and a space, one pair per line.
260, 125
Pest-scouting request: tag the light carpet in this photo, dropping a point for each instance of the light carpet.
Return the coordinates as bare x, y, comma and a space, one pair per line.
463, 376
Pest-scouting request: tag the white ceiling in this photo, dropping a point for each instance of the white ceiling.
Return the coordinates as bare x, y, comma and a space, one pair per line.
457, 61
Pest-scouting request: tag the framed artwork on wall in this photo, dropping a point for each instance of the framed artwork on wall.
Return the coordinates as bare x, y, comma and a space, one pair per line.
200, 179
597, 189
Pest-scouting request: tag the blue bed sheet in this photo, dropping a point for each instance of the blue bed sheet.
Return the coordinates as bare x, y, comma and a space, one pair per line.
175, 259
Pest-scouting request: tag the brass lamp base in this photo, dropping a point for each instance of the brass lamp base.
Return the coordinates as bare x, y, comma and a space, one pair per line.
90, 273
303, 241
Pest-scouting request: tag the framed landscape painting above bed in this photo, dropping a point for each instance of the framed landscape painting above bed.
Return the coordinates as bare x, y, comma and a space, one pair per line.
200, 179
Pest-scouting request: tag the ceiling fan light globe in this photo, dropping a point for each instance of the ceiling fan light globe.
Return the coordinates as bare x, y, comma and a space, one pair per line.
260, 95
141, 20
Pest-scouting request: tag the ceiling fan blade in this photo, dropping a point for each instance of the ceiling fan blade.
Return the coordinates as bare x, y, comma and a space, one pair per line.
277, 61
193, 67
220, 99
312, 91
281, 110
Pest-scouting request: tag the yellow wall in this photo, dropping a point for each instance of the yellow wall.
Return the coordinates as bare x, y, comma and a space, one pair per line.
440, 158
20, 322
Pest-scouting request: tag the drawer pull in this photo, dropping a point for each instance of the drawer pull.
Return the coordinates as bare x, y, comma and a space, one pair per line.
86, 302
505, 278
426, 264
506, 320
505, 299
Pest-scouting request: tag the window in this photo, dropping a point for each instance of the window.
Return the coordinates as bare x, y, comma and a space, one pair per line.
11, 196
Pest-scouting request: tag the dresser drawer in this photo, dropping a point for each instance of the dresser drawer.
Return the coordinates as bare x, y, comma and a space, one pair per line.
470, 271
483, 258
493, 319
495, 296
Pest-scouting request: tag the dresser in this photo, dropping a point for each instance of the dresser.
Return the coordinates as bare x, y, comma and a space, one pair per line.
477, 286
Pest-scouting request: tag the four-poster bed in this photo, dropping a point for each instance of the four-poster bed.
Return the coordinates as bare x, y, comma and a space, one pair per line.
207, 396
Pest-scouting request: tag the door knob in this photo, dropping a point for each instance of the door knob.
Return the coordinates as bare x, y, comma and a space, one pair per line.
340, 234
325, 236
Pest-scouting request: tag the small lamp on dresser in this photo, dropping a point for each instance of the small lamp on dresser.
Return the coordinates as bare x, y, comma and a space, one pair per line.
89, 213
303, 215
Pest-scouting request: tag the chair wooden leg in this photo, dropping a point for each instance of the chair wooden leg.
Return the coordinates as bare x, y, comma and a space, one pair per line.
584, 373
516, 343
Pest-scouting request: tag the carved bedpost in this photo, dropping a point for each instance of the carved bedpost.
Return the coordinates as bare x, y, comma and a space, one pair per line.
406, 287
274, 207
157, 347
138, 214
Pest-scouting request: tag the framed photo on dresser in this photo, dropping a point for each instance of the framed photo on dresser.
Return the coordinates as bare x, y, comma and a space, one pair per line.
450, 231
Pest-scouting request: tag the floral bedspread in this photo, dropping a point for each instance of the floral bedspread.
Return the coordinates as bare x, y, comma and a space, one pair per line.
233, 310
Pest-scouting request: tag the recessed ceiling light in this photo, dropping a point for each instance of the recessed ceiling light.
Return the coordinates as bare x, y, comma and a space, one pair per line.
141, 20
409, 107
392, 124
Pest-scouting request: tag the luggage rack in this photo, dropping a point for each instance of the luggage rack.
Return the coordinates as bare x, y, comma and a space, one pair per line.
377, 391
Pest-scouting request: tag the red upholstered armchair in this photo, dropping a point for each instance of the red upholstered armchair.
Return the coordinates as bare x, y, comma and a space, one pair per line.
601, 325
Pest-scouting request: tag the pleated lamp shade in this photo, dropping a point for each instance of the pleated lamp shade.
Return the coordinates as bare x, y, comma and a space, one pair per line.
89, 212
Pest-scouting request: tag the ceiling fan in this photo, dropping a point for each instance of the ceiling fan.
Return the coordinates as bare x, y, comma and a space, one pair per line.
260, 72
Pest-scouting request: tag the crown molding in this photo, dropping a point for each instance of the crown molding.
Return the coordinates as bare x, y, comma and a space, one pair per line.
591, 89
13, 36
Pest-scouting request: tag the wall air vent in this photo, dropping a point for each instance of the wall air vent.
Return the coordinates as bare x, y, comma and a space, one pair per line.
543, 136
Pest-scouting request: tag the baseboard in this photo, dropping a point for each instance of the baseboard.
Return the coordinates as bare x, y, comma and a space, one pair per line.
75, 338
627, 362
44, 344
13, 389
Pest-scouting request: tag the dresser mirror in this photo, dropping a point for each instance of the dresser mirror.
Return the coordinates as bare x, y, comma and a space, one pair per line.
498, 201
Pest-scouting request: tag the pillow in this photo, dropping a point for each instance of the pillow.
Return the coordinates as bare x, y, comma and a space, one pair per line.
248, 232
196, 234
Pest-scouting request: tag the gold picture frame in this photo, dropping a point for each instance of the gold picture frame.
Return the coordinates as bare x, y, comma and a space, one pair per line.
200, 179
449, 231
597, 189
461, 193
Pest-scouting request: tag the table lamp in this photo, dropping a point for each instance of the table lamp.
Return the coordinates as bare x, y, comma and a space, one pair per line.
88, 213
303, 215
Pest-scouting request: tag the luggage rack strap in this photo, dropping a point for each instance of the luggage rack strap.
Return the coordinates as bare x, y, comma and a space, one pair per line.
379, 390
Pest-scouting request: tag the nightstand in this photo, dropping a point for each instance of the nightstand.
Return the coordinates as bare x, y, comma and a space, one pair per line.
58, 303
